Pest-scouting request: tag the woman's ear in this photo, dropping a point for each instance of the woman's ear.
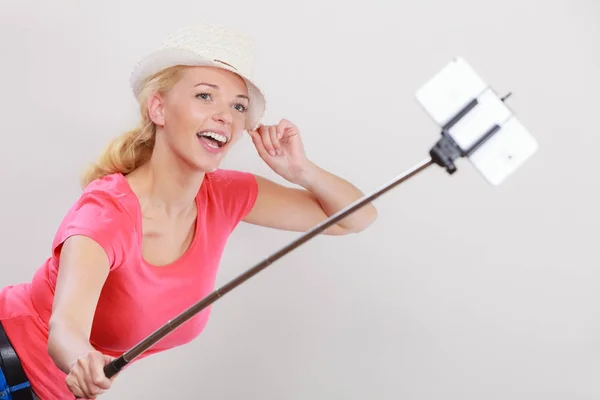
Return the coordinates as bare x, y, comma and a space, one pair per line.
156, 109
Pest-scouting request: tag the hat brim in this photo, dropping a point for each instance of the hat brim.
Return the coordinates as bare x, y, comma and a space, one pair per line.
170, 57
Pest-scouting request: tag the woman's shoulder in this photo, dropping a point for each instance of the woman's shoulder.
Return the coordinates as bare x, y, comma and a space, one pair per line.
108, 198
234, 191
229, 182
106, 213
113, 185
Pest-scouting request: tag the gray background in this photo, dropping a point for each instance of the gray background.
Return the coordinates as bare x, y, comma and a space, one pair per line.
494, 298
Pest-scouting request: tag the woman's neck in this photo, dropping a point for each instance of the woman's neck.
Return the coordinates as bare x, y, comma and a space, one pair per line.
165, 187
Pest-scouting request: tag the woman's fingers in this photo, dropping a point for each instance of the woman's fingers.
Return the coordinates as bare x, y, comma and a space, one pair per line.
275, 136
265, 134
87, 379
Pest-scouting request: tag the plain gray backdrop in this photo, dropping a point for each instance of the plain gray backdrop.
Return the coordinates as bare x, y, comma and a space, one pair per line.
460, 290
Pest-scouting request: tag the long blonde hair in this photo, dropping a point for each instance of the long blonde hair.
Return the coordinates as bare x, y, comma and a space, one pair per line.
133, 148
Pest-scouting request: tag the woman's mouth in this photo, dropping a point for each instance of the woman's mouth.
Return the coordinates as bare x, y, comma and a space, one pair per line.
213, 141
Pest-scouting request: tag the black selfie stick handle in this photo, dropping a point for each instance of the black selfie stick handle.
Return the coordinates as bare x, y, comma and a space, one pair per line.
119, 363
113, 368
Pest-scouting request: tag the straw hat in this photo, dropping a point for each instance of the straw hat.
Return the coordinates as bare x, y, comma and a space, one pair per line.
206, 45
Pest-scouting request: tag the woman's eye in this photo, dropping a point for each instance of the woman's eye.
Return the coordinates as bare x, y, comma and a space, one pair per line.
241, 108
204, 96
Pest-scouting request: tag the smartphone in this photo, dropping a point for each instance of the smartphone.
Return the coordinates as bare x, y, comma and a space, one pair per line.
457, 95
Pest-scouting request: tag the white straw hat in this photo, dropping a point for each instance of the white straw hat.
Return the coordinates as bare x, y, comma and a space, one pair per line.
206, 45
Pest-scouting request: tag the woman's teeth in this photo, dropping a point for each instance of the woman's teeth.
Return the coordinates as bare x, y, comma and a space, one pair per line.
217, 137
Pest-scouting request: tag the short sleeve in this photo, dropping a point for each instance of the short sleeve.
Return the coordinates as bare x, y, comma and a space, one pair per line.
237, 192
102, 218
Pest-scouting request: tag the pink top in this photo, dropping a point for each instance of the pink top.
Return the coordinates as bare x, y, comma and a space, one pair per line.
137, 297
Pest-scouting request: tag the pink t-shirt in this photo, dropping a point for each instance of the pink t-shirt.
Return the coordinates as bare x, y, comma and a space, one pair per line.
137, 298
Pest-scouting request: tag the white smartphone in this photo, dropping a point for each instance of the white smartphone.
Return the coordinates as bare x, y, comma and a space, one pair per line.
457, 87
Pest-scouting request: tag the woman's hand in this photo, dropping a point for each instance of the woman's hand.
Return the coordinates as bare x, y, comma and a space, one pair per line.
87, 379
280, 146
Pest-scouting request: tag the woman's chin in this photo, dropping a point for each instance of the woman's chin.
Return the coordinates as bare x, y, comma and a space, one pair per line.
205, 164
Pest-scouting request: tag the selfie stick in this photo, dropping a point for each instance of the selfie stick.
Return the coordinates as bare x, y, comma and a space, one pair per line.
469, 112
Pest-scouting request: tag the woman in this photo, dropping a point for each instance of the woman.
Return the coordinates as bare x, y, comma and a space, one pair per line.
144, 240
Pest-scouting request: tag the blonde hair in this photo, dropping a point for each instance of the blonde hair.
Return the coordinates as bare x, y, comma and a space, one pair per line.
133, 148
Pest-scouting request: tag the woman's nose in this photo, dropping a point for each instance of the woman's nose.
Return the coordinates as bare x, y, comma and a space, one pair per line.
223, 117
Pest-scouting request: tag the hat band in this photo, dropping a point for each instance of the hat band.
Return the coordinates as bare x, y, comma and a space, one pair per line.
223, 62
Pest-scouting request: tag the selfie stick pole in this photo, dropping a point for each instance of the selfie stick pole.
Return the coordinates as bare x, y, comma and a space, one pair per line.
444, 153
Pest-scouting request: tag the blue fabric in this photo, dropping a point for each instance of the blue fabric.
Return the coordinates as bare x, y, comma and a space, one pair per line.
5, 391
4, 394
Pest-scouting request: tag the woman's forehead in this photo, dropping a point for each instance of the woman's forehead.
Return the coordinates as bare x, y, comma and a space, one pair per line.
219, 78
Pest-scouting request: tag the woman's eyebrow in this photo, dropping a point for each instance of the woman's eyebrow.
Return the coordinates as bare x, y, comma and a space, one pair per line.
207, 84
243, 96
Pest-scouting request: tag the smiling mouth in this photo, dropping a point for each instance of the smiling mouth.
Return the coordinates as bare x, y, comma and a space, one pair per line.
213, 139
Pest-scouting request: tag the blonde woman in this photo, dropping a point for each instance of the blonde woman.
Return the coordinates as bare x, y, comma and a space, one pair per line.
144, 240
